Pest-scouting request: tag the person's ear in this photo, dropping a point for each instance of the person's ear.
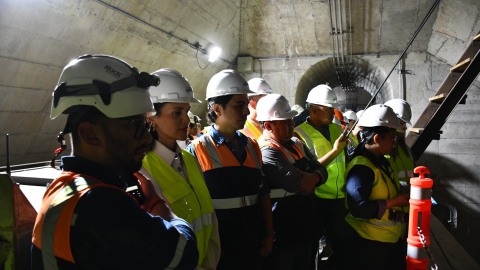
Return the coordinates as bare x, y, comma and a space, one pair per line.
377, 138
268, 126
90, 133
152, 120
253, 103
216, 109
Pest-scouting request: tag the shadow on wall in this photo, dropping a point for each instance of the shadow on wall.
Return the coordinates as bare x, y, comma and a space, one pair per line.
456, 185
362, 75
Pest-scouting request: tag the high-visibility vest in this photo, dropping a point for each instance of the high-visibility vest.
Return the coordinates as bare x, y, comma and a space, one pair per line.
352, 140
265, 141
51, 233
384, 187
234, 189
189, 201
334, 188
404, 165
250, 130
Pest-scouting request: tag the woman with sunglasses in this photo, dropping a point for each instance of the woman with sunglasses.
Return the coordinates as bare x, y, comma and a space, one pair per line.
373, 197
175, 173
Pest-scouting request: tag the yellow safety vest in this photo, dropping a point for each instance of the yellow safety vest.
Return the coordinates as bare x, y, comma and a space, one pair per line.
403, 165
334, 188
251, 130
191, 202
382, 230
353, 140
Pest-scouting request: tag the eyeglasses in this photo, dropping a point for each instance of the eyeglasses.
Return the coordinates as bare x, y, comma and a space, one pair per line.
394, 139
141, 126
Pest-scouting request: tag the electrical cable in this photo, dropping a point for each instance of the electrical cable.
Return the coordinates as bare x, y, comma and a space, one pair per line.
196, 56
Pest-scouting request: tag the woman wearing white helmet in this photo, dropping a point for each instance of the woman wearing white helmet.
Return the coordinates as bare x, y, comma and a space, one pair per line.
373, 195
232, 165
175, 173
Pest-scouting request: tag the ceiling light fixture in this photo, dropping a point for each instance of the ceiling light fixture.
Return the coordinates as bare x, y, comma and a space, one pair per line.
214, 54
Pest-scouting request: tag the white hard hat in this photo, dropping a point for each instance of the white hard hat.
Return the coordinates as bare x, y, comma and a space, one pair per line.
191, 116
401, 108
350, 115
379, 116
259, 86
274, 107
298, 108
336, 121
359, 113
173, 88
227, 82
107, 83
322, 95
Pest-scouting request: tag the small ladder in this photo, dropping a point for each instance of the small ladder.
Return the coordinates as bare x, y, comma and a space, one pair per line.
449, 95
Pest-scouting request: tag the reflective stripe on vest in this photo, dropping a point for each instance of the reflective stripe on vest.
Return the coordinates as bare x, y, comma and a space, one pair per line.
251, 130
210, 156
265, 141
403, 174
51, 233
334, 188
232, 203
189, 201
280, 193
384, 188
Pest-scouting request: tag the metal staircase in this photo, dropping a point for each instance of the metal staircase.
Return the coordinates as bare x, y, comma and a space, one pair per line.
449, 95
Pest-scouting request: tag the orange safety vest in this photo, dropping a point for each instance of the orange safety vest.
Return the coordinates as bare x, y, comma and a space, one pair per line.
51, 233
210, 156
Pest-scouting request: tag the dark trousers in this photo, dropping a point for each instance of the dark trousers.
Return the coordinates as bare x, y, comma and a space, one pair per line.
338, 232
240, 260
289, 257
374, 255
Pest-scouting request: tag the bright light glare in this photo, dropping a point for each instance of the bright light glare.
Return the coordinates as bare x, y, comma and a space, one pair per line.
214, 54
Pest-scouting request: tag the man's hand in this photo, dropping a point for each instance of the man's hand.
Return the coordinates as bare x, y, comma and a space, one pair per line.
307, 184
152, 203
340, 144
267, 246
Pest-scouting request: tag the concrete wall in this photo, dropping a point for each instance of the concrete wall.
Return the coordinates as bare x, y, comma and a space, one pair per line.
39, 37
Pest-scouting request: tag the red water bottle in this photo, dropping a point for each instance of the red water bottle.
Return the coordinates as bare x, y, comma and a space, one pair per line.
420, 210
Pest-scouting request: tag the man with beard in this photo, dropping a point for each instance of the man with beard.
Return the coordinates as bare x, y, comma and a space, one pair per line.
87, 220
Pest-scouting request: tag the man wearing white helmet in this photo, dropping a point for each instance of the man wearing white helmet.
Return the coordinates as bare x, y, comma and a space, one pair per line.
292, 172
373, 196
87, 220
175, 173
232, 166
351, 117
260, 88
325, 139
401, 154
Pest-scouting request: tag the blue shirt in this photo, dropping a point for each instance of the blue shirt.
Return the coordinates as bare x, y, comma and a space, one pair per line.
218, 138
111, 231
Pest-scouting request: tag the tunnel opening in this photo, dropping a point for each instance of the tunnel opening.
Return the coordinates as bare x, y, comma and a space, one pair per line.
364, 78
